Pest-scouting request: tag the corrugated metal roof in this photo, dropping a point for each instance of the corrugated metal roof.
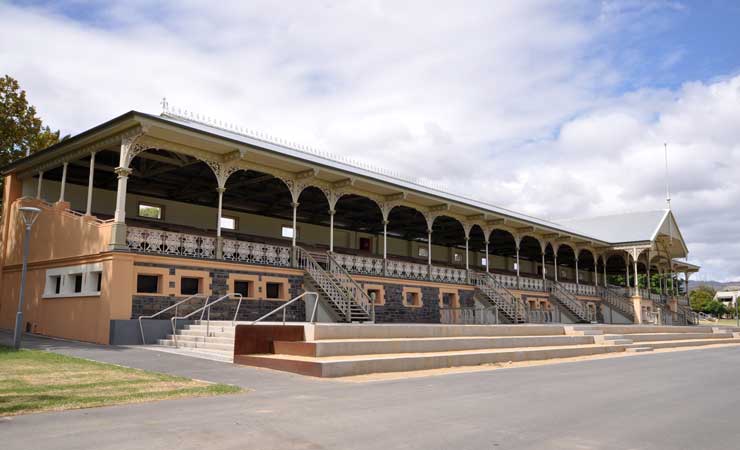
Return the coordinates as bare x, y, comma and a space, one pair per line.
619, 228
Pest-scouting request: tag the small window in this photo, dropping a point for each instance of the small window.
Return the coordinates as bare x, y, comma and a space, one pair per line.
147, 284
273, 290
457, 257
228, 223
150, 211
189, 286
287, 232
98, 280
56, 282
515, 266
483, 261
423, 251
413, 299
245, 288
365, 244
77, 282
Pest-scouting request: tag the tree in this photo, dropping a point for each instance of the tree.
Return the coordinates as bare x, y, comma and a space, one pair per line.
21, 130
701, 298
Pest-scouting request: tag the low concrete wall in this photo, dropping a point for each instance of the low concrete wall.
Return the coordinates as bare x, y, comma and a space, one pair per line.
127, 332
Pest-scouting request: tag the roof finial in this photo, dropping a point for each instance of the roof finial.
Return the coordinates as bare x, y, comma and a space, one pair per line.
667, 185
164, 105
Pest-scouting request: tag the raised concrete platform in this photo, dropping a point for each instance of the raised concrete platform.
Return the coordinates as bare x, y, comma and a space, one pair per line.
345, 350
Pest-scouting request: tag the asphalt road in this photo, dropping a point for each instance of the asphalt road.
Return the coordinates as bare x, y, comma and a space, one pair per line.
677, 400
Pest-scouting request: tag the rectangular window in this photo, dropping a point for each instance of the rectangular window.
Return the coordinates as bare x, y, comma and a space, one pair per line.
245, 288
98, 279
77, 282
423, 251
413, 299
365, 244
287, 232
147, 284
56, 281
150, 211
273, 290
457, 257
189, 286
483, 262
228, 223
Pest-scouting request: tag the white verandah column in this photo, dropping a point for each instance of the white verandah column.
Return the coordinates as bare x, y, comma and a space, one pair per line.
487, 265
88, 209
606, 284
219, 240
578, 282
429, 254
596, 271
518, 284
64, 181
39, 184
119, 218
385, 247
331, 230
544, 270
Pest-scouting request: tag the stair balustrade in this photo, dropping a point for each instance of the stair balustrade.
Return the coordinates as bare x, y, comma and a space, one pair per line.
617, 301
497, 295
350, 286
569, 302
340, 299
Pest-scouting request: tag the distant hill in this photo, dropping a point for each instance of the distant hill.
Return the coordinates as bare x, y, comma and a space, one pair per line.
716, 285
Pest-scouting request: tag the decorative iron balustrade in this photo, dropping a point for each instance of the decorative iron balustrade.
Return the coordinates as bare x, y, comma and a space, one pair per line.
531, 284
508, 281
362, 265
449, 275
580, 289
170, 243
256, 253
403, 269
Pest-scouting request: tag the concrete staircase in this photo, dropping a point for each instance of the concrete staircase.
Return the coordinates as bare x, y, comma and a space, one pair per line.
337, 350
192, 340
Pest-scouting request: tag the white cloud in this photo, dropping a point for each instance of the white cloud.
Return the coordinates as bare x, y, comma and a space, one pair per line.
508, 101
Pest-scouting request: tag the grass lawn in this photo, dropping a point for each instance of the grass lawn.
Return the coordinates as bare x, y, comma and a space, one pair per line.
33, 381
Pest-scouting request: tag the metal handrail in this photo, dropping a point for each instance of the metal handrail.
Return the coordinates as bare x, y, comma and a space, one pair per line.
207, 307
283, 307
360, 296
319, 275
141, 325
568, 300
616, 301
513, 305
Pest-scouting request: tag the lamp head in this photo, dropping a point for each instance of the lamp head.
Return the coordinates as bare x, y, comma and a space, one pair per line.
28, 214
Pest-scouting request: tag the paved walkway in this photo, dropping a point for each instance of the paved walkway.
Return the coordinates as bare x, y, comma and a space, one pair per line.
677, 400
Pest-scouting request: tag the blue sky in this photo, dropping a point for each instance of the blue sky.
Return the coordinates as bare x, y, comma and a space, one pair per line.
553, 108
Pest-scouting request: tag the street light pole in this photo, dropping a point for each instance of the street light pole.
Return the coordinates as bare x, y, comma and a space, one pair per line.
28, 215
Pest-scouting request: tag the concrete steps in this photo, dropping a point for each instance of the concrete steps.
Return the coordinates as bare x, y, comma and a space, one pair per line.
337, 350
343, 366
344, 347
